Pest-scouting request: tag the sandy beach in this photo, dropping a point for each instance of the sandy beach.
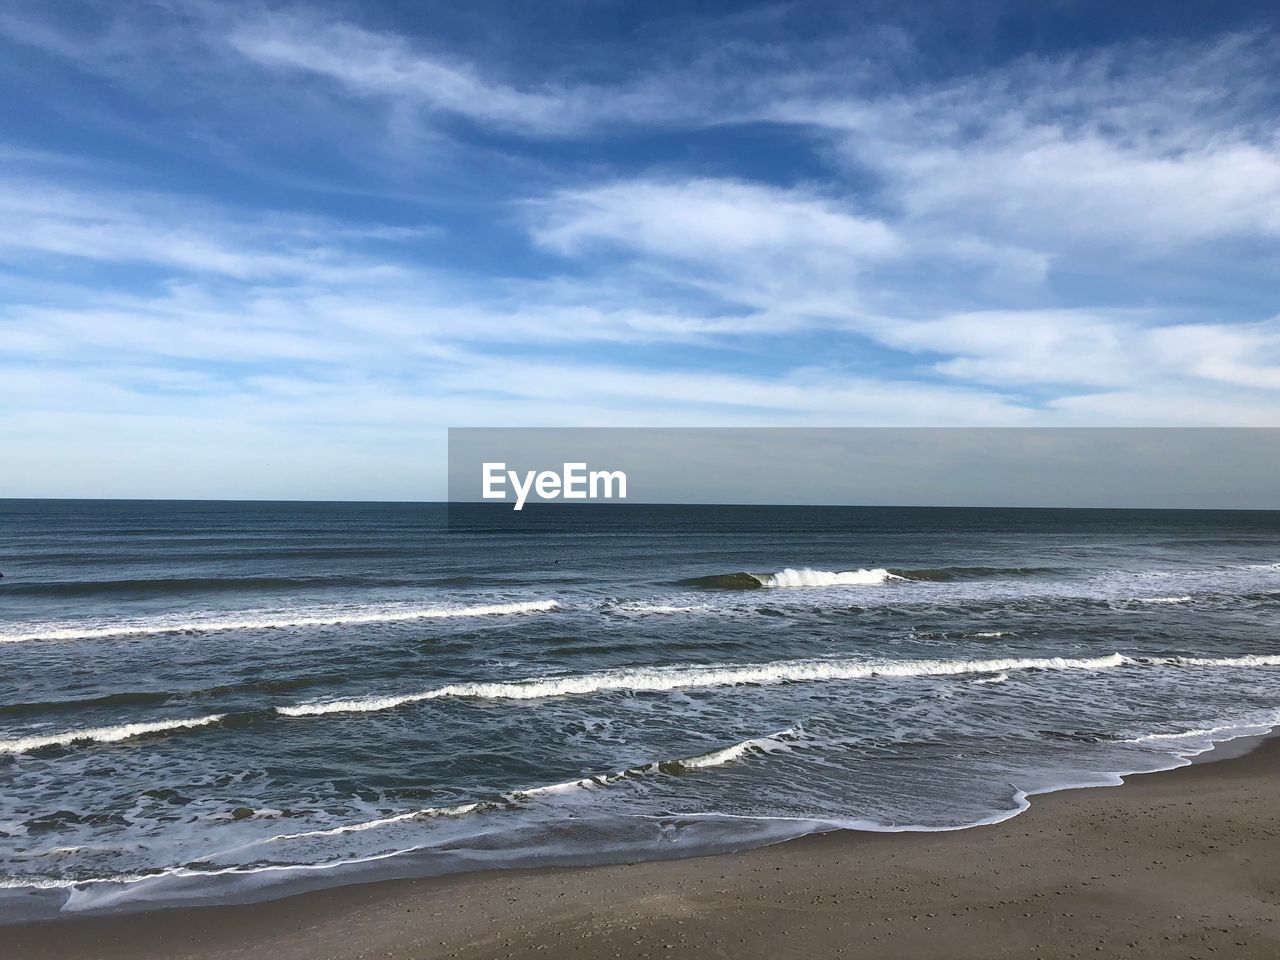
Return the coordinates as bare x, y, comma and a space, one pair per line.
1184, 863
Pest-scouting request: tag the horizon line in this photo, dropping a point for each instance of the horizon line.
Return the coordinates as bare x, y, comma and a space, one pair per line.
636, 503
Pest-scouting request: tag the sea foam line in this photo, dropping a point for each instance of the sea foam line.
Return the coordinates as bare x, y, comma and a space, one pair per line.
1260, 722
756, 746
657, 679
673, 678
780, 741
124, 731
775, 742
1249, 660
281, 621
660, 608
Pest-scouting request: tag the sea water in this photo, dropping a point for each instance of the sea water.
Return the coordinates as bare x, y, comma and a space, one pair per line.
207, 701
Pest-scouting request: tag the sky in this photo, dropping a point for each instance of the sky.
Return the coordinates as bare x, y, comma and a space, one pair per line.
261, 250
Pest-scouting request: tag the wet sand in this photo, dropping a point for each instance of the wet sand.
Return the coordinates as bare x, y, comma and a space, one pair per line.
1172, 865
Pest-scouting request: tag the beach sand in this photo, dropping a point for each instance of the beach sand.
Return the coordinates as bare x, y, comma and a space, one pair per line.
1178, 864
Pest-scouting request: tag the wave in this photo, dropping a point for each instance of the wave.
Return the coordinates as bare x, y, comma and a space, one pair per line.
653, 679
1161, 600
781, 741
809, 577
951, 574
124, 731
724, 581
757, 746
657, 679
1252, 724
278, 621
823, 578
790, 578
1249, 660
157, 697
123, 698
658, 608
179, 585
426, 813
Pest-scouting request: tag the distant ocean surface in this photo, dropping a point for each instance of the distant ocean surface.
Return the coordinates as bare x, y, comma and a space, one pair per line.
237, 700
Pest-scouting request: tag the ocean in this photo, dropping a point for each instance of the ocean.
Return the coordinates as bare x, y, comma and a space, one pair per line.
225, 701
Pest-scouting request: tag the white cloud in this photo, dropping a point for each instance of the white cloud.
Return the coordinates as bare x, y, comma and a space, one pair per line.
1078, 347
43, 218
988, 250
711, 220
372, 64
1137, 149
1098, 348
1242, 355
386, 67
789, 253
1045, 188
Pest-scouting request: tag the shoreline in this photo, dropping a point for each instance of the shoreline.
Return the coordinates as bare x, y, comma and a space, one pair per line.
1173, 859
388, 868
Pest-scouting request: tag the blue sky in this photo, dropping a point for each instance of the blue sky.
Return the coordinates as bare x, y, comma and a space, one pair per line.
274, 250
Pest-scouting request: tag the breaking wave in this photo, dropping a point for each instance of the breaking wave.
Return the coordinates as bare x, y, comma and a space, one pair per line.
757, 746
1245, 726
781, 741
792, 577
124, 731
822, 578
952, 574
809, 577
1249, 660
184, 585
269, 621
656, 679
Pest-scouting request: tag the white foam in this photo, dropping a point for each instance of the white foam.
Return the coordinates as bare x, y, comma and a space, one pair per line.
772, 743
769, 744
1162, 600
425, 813
78, 901
651, 608
674, 678
1254, 724
1250, 660
103, 734
807, 577
279, 620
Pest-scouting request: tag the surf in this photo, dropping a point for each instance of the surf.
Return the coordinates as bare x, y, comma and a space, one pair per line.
280, 621
124, 731
659, 679
791, 578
